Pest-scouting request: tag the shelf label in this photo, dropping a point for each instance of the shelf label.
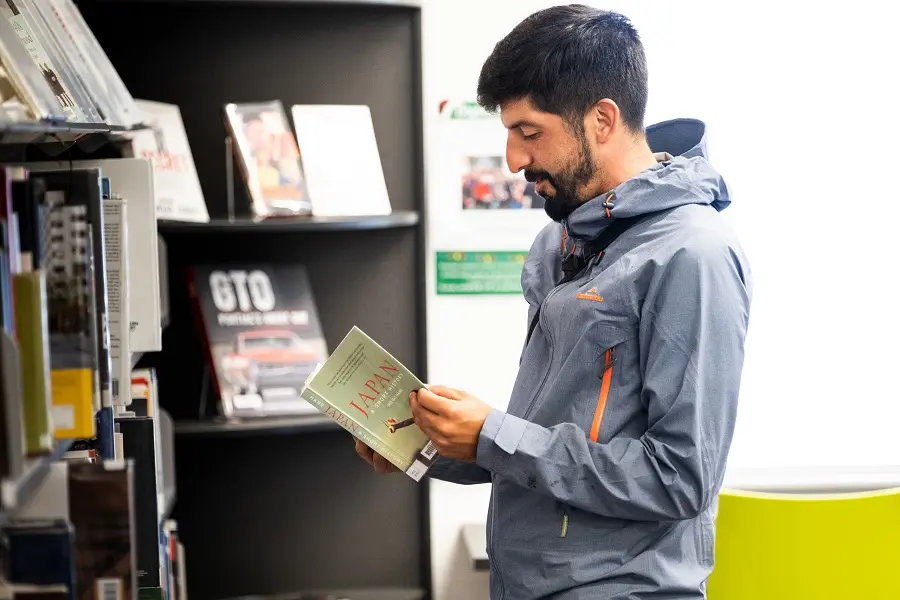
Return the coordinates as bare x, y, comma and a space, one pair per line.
465, 272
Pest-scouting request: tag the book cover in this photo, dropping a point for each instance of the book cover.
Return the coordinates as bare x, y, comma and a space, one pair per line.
366, 391
260, 326
140, 446
34, 342
102, 512
133, 180
115, 232
22, 79
72, 325
41, 552
81, 191
332, 136
44, 55
269, 159
179, 196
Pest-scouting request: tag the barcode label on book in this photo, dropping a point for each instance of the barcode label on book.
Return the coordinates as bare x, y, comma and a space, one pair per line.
417, 470
429, 450
108, 589
115, 387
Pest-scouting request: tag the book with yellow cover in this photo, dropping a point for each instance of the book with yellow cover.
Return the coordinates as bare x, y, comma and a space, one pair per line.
29, 289
366, 391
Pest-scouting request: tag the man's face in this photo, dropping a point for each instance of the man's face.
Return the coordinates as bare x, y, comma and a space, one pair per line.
557, 159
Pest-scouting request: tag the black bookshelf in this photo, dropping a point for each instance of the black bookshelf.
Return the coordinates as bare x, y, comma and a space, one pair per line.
397, 219
402, 3
289, 425
42, 140
286, 505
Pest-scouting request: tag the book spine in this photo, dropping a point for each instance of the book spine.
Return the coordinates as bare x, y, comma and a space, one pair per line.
356, 428
34, 341
12, 457
115, 232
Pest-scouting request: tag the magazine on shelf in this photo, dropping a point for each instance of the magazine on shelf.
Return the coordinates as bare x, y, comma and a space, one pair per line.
178, 194
260, 328
268, 159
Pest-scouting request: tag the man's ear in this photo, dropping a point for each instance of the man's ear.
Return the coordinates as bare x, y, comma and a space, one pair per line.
602, 120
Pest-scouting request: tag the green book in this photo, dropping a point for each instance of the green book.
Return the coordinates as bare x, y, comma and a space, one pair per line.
366, 391
30, 292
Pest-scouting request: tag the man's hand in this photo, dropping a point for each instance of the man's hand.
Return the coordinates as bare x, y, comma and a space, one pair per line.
377, 461
451, 418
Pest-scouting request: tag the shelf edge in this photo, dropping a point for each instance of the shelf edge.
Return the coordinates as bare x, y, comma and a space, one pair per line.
16, 492
395, 220
262, 426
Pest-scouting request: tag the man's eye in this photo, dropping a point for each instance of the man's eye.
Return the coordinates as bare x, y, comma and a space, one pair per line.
532, 136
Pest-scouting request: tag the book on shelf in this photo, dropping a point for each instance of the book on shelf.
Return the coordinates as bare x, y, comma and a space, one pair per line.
140, 446
30, 292
133, 180
115, 224
259, 325
145, 403
54, 65
55, 70
77, 279
364, 389
25, 93
64, 302
102, 511
268, 159
335, 139
177, 190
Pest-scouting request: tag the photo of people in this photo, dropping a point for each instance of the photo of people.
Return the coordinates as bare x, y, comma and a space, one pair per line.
487, 183
270, 152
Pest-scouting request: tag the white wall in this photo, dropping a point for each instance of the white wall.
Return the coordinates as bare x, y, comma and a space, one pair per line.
800, 104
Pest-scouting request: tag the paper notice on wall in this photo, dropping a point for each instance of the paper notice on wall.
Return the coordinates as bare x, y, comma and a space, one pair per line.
467, 272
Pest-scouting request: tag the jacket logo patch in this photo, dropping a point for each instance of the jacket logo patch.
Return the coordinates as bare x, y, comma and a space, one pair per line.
591, 294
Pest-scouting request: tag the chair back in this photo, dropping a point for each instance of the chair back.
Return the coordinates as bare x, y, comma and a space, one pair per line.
807, 546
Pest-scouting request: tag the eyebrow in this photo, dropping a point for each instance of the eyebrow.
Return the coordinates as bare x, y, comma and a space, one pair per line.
522, 123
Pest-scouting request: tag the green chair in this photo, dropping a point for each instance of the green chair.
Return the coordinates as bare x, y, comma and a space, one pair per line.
807, 546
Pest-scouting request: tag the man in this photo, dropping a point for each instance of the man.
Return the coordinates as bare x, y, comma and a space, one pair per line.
607, 464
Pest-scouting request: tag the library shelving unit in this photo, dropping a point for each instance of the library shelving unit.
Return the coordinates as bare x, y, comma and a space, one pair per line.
20, 143
286, 506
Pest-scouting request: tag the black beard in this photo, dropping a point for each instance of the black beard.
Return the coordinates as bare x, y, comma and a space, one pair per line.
566, 184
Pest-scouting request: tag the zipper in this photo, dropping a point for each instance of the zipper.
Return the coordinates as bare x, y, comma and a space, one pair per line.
586, 269
602, 397
540, 388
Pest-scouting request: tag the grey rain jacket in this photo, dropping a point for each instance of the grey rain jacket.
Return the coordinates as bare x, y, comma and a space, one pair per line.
608, 462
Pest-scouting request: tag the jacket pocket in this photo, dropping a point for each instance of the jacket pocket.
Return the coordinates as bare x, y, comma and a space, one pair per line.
606, 379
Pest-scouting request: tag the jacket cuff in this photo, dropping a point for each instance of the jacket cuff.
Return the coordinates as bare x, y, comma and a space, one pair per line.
500, 436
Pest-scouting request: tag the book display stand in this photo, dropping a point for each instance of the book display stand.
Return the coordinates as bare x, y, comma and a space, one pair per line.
283, 506
229, 176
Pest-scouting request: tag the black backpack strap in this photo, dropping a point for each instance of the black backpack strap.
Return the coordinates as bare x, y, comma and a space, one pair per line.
574, 264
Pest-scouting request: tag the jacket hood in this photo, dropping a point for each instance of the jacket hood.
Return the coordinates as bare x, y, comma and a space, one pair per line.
681, 176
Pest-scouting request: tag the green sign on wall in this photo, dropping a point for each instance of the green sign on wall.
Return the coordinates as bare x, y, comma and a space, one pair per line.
474, 272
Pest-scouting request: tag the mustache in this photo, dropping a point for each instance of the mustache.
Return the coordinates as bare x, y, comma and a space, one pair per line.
533, 176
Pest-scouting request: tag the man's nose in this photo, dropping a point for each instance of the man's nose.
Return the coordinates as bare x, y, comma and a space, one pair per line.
516, 156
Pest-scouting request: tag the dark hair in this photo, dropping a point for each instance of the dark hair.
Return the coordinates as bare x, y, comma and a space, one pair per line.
565, 59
